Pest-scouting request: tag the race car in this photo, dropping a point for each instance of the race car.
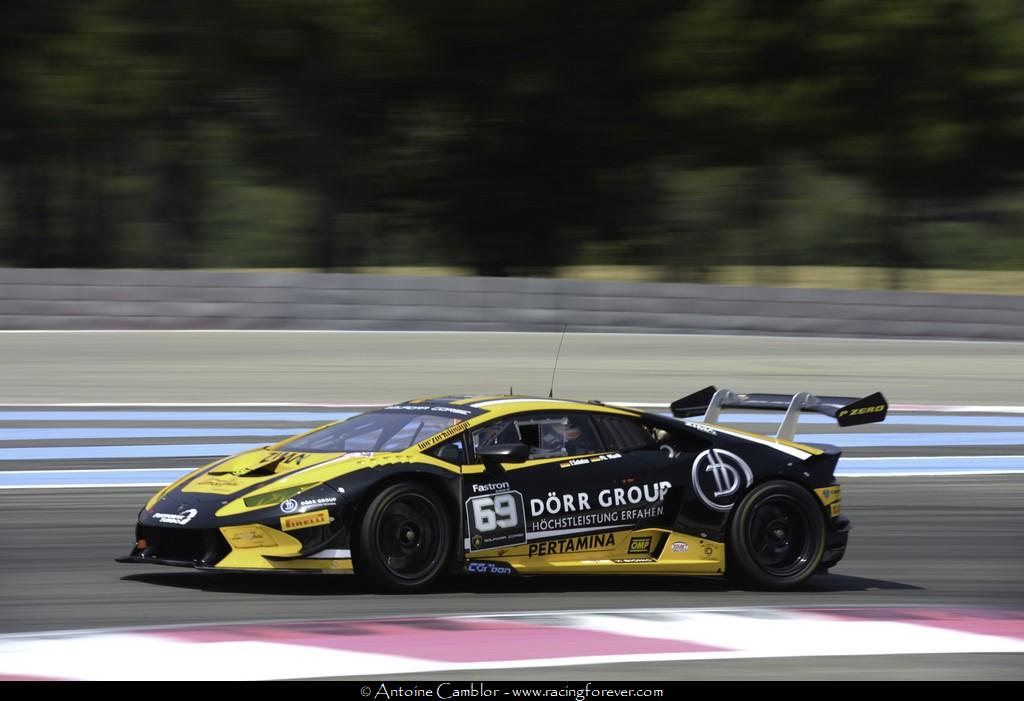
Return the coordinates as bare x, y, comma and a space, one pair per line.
511, 485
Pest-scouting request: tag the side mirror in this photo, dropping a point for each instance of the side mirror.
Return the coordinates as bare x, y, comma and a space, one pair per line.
494, 455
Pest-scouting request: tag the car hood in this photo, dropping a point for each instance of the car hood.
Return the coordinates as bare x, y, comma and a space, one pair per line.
251, 469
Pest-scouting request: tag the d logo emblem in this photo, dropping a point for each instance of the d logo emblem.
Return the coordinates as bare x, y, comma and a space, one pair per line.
718, 476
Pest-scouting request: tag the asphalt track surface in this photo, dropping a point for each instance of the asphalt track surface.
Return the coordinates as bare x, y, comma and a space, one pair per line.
948, 542
921, 541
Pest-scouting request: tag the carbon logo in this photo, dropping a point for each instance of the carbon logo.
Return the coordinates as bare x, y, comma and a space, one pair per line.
484, 567
718, 476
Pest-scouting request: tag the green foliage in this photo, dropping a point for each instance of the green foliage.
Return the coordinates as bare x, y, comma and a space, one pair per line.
512, 137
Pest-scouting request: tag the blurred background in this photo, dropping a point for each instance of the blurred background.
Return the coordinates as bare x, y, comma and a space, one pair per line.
734, 141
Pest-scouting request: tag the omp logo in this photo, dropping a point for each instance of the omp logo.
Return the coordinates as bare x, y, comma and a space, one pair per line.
862, 410
639, 545
718, 476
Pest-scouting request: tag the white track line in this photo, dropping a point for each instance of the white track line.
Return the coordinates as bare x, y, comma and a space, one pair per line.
903, 408
613, 334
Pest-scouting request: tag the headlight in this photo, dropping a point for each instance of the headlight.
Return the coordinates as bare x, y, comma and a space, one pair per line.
275, 497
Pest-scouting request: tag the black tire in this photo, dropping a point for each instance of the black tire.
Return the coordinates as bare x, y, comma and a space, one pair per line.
404, 540
776, 537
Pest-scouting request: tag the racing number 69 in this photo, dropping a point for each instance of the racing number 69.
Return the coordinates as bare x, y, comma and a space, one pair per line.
494, 512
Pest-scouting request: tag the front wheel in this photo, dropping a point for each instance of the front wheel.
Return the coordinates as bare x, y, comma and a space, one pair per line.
776, 537
404, 539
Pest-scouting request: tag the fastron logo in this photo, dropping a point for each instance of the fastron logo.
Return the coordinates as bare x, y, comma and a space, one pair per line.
179, 519
718, 476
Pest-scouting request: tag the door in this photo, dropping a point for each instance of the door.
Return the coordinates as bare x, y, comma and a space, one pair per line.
571, 490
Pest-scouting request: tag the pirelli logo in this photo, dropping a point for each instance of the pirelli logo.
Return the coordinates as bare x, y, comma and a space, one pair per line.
862, 410
313, 518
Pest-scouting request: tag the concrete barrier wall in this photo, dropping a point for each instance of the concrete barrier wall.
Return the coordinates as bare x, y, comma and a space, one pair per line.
161, 299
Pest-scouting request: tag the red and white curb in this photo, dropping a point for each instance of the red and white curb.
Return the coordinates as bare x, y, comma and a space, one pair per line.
365, 649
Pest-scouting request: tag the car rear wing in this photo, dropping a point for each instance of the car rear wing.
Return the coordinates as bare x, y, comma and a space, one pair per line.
847, 411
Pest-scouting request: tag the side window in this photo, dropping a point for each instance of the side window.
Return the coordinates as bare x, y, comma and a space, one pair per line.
548, 435
622, 434
453, 451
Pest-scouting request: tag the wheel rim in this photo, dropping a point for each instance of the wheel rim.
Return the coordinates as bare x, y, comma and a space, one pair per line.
780, 537
409, 536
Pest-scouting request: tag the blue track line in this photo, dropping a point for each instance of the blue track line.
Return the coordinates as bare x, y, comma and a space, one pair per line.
39, 434
312, 417
891, 440
84, 452
185, 450
848, 467
317, 418
968, 464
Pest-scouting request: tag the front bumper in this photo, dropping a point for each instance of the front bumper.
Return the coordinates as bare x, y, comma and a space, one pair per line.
242, 548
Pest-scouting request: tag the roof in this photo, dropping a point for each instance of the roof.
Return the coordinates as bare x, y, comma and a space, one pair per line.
499, 405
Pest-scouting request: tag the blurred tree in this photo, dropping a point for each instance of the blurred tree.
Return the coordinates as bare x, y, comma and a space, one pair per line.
510, 136
920, 97
319, 89
545, 134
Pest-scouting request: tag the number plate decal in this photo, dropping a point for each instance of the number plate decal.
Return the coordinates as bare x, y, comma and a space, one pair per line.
496, 520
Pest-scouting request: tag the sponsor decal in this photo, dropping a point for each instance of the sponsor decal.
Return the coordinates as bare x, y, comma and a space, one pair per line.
680, 547
862, 410
495, 520
442, 436
210, 480
241, 537
829, 494
633, 560
431, 408
613, 507
617, 506
290, 506
585, 543
639, 545
702, 427
178, 519
555, 504
587, 461
492, 487
313, 518
484, 567
718, 477
269, 459
835, 509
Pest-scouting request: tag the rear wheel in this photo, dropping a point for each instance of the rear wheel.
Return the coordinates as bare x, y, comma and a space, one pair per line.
405, 538
777, 536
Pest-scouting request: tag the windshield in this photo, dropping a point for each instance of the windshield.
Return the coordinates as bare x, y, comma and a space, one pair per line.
375, 432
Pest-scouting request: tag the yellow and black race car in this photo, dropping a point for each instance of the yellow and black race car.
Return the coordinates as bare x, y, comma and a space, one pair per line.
519, 486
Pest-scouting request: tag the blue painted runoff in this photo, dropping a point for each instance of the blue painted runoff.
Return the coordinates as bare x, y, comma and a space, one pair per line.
848, 467
39, 434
